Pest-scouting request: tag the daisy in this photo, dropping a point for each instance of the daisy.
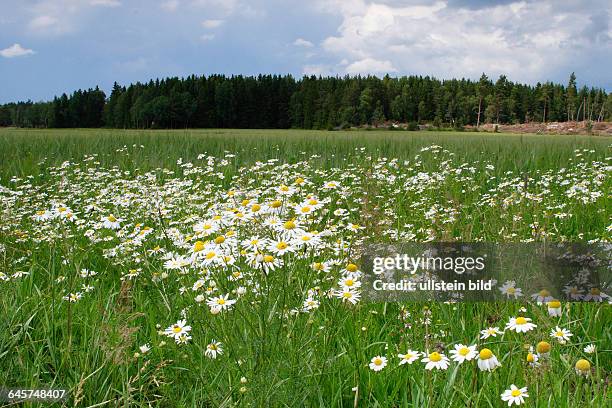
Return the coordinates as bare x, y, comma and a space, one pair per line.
520, 324
321, 266
178, 329
532, 359
487, 360
589, 349
214, 349
73, 297
410, 357
543, 348
542, 297
554, 308
310, 304
378, 363
348, 295
436, 360
509, 289
463, 353
573, 292
583, 367
280, 247
595, 295
562, 335
42, 215
111, 222
515, 395
222, 302
182, 338
490, 332
349, 282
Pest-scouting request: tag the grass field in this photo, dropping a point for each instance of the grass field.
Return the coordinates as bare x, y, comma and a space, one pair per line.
110, 239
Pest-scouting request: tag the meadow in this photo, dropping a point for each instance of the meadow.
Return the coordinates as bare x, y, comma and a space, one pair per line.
221, 268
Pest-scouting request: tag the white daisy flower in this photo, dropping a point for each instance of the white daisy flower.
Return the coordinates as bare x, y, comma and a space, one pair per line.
487, 360
463, 353
515, 395
378, 363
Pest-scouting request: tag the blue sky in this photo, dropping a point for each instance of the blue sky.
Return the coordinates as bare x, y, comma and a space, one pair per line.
52, 46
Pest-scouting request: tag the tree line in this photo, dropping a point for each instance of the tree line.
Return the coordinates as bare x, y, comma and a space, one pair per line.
275, 101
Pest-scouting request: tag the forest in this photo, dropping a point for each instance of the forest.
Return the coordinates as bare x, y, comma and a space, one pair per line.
282, 101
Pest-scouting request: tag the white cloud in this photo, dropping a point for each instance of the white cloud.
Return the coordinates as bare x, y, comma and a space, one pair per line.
300, 42
207, 37
105, 3
43, 22
170, 5
370, 66
15, 50
210, 24
524, 40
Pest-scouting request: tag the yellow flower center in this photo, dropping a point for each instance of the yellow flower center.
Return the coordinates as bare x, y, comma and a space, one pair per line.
511, 290
554, 304
276, 204
305, 209
199, 246
543, 347
351, 267
559, 333
289, 225
305, 238
485, 354
464, 351
282, 245
435, 357
318, 266
530, 358
595, 291
299, 180
347, 295
176, 329
516, 393
378, 361
583, 365
544, 293
111, 218
210, 255
284, 188
349, 282
221, 301
42, 212
255, 207
244, 203
521, 320
312, 201
220, 239
268, 258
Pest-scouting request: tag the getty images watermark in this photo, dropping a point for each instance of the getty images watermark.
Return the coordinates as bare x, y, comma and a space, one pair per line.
486, 272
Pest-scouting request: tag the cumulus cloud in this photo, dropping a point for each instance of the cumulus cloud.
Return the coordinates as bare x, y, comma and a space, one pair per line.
370, 66
300, 42
522, 39
210, 24
15, 50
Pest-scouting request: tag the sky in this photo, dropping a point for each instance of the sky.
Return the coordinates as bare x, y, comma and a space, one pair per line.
48, 47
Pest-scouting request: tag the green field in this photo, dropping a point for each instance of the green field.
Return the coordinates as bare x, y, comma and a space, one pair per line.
285, 215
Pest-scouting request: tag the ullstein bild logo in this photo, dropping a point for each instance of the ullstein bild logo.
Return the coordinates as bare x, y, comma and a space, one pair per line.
485, 272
